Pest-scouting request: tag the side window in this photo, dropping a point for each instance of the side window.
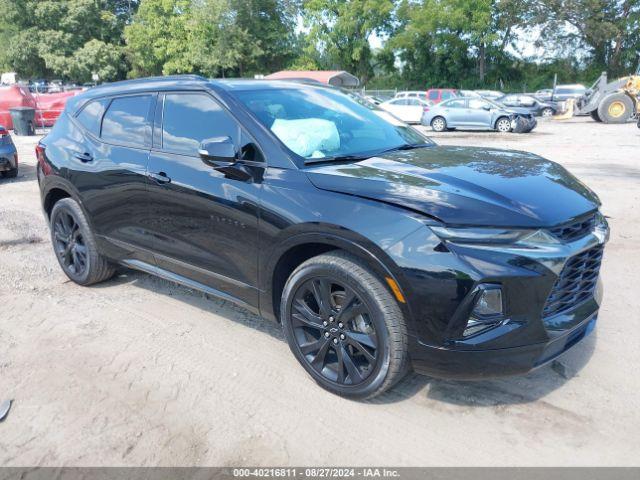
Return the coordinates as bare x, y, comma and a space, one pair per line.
90, 117
127, 121
446, 95
455, 103
433, 95
476, 103
190, 118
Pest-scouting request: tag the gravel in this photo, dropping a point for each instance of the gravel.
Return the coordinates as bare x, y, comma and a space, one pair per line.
140, 371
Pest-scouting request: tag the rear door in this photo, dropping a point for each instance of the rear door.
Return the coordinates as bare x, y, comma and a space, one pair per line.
109, 166
206, 217
455, 112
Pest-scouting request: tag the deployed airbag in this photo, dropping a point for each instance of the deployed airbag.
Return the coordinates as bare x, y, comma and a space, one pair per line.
308, 137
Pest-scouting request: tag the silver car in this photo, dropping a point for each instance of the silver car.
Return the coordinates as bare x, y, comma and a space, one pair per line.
475, 113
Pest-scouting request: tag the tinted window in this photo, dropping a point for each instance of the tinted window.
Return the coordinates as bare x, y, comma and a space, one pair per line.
433, 95
126, 121
91, 115
190, 118
446, 95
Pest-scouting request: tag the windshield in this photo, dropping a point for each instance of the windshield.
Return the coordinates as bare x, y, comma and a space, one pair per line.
319, 123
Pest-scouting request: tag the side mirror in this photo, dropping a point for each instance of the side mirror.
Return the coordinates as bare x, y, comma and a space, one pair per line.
218, 152
486, 107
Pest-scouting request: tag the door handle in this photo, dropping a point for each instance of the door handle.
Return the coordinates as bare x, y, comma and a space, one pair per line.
159, 177
84, 157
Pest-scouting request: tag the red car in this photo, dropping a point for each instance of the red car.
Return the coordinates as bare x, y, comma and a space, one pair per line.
437, 95
48, 106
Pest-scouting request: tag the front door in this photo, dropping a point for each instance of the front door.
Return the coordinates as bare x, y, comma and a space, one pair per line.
206, 217
480, 114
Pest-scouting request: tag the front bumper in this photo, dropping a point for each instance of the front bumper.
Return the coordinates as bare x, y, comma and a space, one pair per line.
479, 364
531, 334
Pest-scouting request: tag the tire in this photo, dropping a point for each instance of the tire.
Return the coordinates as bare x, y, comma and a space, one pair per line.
439, 124
503, 125
13, 173
547, 112
615, 108
595, 116
368, 306
74, 245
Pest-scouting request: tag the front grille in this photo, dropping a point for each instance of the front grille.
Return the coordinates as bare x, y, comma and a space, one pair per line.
574, 230
576, 282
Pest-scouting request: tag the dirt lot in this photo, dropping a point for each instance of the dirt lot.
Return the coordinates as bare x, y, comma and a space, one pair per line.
139, 371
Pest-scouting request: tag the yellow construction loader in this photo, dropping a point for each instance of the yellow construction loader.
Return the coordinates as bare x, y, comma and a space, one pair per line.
611, 102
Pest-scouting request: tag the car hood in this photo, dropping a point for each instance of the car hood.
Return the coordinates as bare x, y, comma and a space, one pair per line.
518, 110
464, 186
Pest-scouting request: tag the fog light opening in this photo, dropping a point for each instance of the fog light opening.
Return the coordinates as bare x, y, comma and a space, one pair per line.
488, 311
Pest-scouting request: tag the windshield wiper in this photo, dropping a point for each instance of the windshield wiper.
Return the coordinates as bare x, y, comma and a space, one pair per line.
338, 158
407, 146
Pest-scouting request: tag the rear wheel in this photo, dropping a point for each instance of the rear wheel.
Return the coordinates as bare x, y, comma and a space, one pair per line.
595, 116
547, 112
439, 124
344, 327
503, 125
75, 246
615, 108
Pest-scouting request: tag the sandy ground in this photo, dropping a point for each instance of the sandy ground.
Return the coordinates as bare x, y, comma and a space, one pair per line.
139, 371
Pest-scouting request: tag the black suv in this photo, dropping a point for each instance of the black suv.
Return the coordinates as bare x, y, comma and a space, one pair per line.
377, 250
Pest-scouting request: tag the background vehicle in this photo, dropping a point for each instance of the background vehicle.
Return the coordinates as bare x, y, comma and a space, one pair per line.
406, 109
529, 103
422, 95
437, 95
474, 113
8, 155
48, 106
489, 94
14, 96
611, 102
565, 92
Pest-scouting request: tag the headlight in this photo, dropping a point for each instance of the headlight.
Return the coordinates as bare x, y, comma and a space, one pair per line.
494, 235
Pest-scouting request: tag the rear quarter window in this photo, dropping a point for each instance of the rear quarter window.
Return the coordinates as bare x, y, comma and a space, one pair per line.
127, 121
90, 117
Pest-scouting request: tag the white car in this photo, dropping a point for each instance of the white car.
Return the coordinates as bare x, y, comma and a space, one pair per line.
408, 110
421, 94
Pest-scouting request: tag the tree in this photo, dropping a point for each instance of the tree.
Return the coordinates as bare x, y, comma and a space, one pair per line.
44, 37
340, 31
608, 31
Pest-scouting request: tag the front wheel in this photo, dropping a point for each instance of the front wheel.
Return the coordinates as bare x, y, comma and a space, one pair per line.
503, 125
344, 326
615, 108
547, 112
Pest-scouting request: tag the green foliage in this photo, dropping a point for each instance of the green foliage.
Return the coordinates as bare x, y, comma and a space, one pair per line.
340, 31
212, 37
425, 43
70, 39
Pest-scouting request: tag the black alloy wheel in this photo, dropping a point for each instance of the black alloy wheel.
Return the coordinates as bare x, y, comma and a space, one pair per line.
75, 246
344, 326
334, 332
69, 244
